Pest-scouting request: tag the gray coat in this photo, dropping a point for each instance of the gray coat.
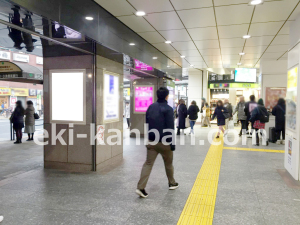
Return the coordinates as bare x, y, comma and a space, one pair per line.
29, 113
240, 110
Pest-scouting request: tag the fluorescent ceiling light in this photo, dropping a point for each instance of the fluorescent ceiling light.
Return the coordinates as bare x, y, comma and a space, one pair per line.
89, 18
131, 44
140, 13
239, 64
246, 36
168, 66
154, 57
168, 42
182, 56
256, 2
242, 53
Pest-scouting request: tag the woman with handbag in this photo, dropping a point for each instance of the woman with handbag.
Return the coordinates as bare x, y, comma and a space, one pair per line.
181, 116
222, 114
29, 120
193, 115
259, 116
17, 119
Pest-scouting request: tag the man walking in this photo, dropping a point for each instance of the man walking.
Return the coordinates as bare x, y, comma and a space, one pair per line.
228, 106
249, 106
240, 110
159, 117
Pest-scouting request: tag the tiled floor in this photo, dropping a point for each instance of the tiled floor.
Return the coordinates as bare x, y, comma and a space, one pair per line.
250, 189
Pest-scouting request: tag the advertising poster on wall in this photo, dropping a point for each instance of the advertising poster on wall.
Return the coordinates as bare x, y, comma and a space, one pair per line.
111, 97
272, 96
143, 98
291, 99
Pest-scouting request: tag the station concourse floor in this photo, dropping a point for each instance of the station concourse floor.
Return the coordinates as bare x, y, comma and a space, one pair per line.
252, 187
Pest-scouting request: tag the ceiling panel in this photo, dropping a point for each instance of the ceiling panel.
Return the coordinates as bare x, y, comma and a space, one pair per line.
255, 49
286, 28
163, 47
234, 14
230, 57
207, 44
152, 37
191, 52
198, 17
261, 29
117, 8
171, 54
281, 40
138, 24
251, 56
277, 48
274, 11
199, 34
272, 55
235, 42
230, 2
176, 35
209, 52
190, 4
233, 31
165, 21
231, 51
184, 45
258, 41
151, 6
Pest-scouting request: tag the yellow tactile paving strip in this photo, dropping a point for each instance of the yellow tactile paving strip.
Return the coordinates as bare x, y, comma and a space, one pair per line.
254, 149
200, 205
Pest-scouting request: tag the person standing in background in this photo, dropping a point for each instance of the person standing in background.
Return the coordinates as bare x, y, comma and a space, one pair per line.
249, 106
279, 113
203, 100
240, 110
29, 120
228, 106
219, 113
3, 108
206, 109
127, 114
193, 115
181, 116
17, 119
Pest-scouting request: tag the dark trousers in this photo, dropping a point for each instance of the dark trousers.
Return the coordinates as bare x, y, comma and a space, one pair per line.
278, 132
178, 130
244, 126
19, 134
128, 122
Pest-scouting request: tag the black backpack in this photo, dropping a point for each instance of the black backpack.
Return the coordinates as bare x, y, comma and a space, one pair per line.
263, 115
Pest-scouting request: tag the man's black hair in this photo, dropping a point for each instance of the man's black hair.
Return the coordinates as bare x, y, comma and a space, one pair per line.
252, 98
162, 93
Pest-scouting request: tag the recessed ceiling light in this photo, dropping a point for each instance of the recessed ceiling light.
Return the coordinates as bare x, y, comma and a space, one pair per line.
239, 64
256, 2
246, 36
154, 57
182, 56
191, 65
131, 44
168, 66
140, 13
168, 42
89, 18
242, 53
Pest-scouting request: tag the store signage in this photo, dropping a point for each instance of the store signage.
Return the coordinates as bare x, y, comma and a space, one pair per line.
233, 85
142, 66
19, 92
4, 55
185, 72
4, 91
273, 94
39, 60
13, 101
100, 134
126, 92
9, 70
32, 92
111, 97
143, 98
21, 57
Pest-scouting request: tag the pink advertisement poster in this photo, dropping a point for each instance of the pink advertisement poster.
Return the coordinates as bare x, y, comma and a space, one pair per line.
143, 98
142, 66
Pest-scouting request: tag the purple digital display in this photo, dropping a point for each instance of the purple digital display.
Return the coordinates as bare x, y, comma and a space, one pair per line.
143, 98
142, 66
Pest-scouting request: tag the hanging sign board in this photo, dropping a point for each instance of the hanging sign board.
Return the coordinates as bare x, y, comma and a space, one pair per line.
9, 70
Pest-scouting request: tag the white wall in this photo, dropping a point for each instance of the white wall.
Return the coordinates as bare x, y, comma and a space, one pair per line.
195, 88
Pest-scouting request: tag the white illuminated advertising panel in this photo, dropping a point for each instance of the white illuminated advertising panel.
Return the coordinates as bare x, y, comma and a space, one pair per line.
111, 97
67, 96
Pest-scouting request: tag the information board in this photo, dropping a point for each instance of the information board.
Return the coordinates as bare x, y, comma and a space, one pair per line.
111, 97
143, 98
291, 99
